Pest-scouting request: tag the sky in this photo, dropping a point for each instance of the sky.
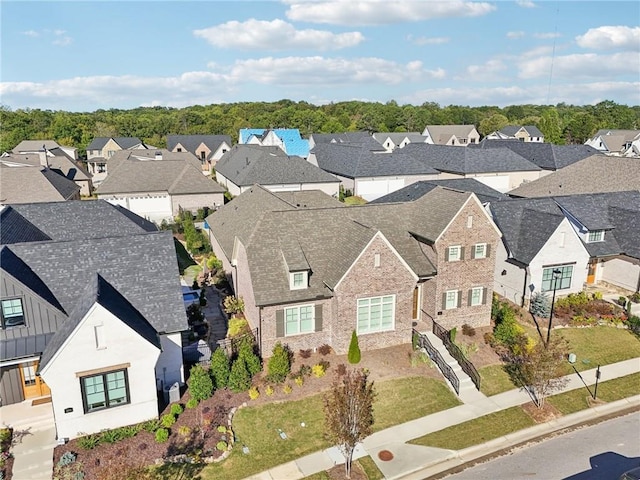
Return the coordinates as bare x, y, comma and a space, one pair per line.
84, 56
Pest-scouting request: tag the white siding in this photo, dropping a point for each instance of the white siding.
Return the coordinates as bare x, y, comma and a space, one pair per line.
155, 206
510, 285
80, 354
169, 368
620, 272
370, 189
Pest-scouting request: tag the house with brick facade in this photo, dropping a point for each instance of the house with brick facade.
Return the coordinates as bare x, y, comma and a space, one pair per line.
311, 271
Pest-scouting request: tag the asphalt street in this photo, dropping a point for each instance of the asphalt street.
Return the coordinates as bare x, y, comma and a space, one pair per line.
599, 452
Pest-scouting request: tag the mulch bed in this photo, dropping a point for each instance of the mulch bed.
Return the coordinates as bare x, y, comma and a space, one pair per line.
541, 415
7, 467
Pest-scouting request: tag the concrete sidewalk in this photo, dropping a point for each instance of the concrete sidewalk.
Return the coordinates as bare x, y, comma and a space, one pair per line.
409, 459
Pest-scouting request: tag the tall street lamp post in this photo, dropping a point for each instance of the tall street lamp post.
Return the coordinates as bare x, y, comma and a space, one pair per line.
556, 275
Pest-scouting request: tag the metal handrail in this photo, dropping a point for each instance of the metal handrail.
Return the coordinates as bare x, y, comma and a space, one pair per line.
467, 367
445, 368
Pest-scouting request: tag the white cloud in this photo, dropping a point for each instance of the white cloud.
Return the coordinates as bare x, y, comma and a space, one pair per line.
57, 37
588, 65
31, 33
428, 40
382, 12
513, 35
547, 35
63, 41
490, 70
610, 37
275, 35
331, 71
526, 4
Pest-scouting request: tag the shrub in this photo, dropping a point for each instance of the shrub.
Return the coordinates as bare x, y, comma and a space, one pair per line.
128, 431
468, 330
162, 435
192, 403
324, 349
200, 383
168, 420
279, 365
268, 390
635, 297
341, 369
286, 389
233, 305
237, 326
222, 445
184, 431
67, 458
247, 353
354, 349
239, 378
220, 368
221, 429
299, 380
597, 295
89, 442
151, 425
319, 370
452, 334
305, 353
508, 331
176, 409
634, 324
202, 300
540, 305
213, 263
254, 393
110, 436
304, 371
194, 314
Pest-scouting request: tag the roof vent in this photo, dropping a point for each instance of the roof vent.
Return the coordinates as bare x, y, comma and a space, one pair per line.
158, 155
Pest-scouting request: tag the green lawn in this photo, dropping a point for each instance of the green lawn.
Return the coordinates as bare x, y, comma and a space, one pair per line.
184, 259
398, 401
477, 431
495, 380
600, 345
609, 391
409, 398
354, 201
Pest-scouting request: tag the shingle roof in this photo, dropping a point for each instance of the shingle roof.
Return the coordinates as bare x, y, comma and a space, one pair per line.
246, 165
293, 143
75, 220
98, 290
453, 159
124, 142
357, 161
418, 189
275, 233
60, 163
17, 229
546, 155
595, 174
192, 142
141, 267
532, 130
397, 138
172, 176
44, 185
526, 225
35, 145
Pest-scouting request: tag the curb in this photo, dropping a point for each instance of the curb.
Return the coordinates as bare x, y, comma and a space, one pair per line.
476, 452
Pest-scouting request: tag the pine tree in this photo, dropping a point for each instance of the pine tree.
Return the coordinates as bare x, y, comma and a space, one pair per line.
220, 368
354, 354
246, 352
239, 378
540, 305
279, 365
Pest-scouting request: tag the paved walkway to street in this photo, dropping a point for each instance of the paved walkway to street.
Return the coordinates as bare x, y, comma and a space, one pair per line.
413, 461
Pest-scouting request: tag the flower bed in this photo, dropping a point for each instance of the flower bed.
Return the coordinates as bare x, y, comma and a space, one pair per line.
6, 458
582, 309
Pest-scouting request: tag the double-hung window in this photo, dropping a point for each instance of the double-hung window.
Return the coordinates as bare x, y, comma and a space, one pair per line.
298, 280
12, 313
105, 390
480, 250
476, 296
595, 236
376, 314
562, 281
299, 319
454, 253
451, 299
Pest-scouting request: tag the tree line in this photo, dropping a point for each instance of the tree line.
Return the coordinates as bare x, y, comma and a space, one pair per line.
561, 124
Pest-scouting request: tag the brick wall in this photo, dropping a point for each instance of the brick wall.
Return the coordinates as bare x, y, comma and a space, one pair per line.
467, 273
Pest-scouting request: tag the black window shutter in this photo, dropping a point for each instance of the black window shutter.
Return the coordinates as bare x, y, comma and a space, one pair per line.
459, 298
318, 318
461, 253
279, 323
488, 250
444, 301
446, 254
484, 295
473, 252
470, 297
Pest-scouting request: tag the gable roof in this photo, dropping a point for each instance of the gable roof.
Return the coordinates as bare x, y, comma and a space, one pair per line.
246, 165
357, 161
546, 155
418, 189
123, 142
192, 142
511, 130
132, 175
263, 223
35, 145
98, 290
526, 225
398, 137
72, 220
595, 174
293, 143
44, 185
449, 158
58, 161
440, 134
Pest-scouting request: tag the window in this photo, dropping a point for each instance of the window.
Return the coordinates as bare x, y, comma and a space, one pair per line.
28, 373
564, 280
595, 236
476, 296
110, 153
455, 253
297, 280
106, 390
470, 221
102, 168
480, 250
178, 149
376, 260
376, 314
451, 299
299, 320
12, 313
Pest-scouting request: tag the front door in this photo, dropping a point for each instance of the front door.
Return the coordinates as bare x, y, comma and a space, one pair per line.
591, 274
32, 384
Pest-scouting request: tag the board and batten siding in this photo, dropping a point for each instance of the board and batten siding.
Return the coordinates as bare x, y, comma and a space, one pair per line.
10, 385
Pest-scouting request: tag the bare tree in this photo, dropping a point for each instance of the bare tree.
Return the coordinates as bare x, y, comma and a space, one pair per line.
348, 409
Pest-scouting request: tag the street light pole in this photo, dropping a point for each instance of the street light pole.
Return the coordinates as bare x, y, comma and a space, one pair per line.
556, 275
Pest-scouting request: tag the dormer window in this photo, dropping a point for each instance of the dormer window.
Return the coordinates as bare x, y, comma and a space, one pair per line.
595, 236
298, 280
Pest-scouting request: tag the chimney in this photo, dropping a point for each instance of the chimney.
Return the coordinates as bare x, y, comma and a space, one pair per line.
44, 160
158, 155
